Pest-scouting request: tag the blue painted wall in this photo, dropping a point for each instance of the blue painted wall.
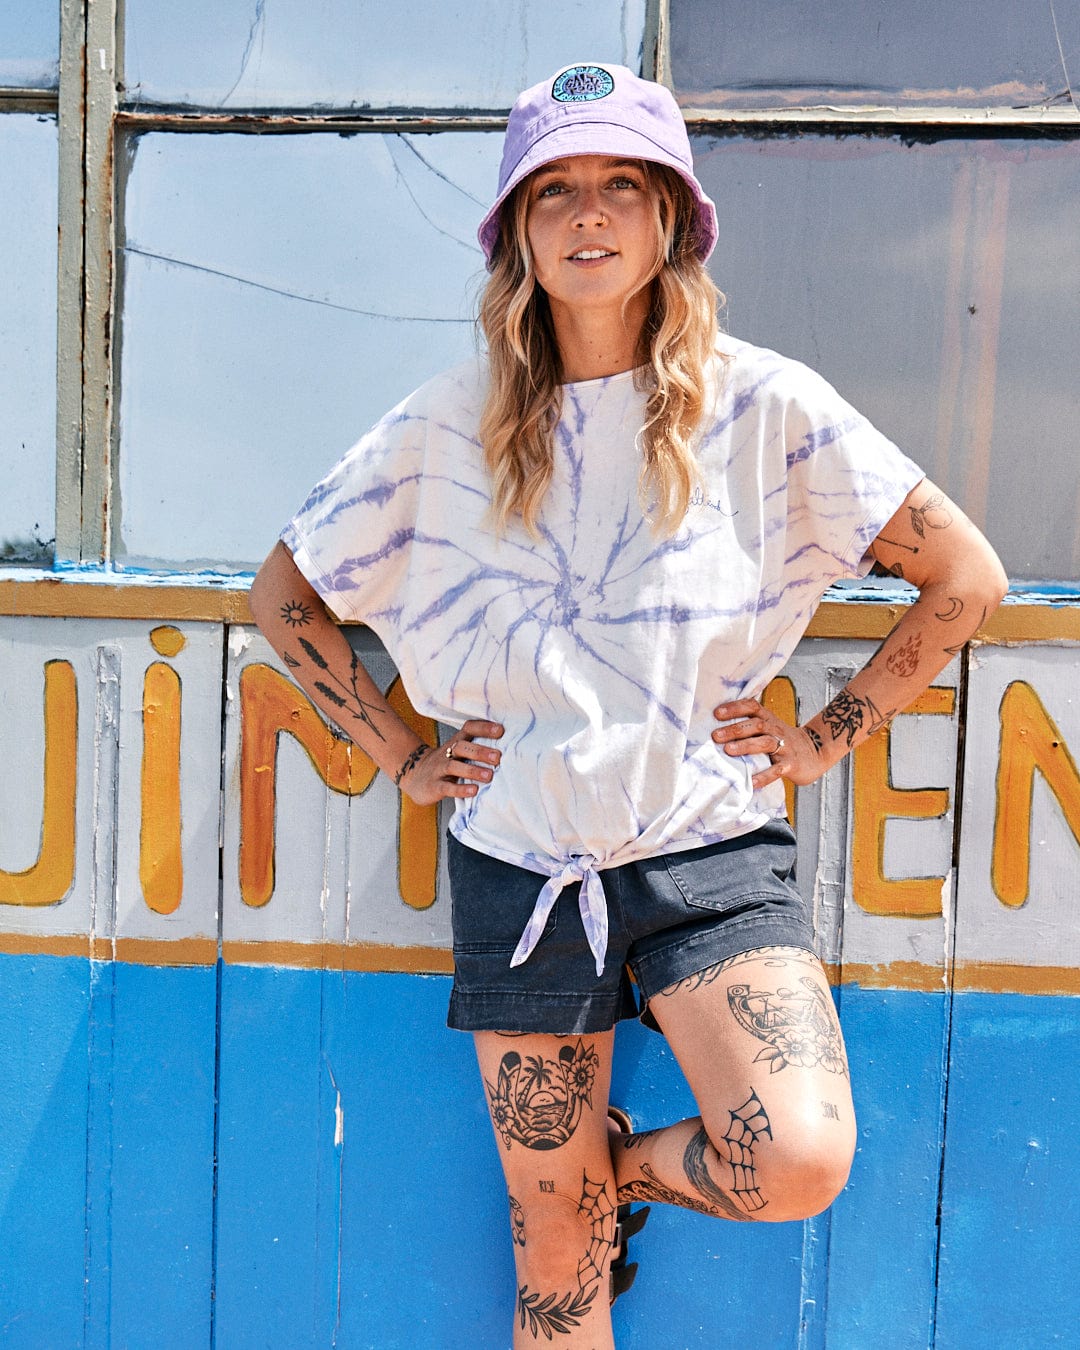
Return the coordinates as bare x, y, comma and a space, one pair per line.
177, 1168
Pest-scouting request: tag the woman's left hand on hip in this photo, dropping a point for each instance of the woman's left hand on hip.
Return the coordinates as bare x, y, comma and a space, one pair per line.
757, 731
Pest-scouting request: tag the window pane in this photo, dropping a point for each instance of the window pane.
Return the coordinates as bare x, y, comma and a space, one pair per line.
363, 53
30, 44
28, 337
757, 53
937, 285
316, 280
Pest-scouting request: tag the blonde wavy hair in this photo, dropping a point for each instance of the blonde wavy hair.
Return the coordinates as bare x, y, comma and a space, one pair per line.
524, 398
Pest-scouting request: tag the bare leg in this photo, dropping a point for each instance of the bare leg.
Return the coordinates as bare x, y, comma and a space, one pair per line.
548, 1099
758, 1040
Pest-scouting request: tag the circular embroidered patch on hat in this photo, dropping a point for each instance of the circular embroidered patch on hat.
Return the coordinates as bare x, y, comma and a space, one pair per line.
582, 84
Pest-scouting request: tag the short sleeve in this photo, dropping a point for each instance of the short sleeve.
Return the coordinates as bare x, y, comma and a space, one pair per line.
352, 537
845, 480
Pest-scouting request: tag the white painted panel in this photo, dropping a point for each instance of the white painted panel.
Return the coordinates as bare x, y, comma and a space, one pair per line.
335, 857
923, 755
1043, 930
365, 53
199, 667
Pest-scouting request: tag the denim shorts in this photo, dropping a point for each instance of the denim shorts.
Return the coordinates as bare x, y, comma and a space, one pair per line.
668, 917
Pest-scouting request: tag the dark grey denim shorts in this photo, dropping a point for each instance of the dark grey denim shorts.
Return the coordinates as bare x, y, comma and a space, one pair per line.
669, 917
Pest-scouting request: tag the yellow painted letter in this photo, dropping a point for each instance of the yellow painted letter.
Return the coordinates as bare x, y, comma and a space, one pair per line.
270, 704
876, 800
51, 877
1029, 741
161, 864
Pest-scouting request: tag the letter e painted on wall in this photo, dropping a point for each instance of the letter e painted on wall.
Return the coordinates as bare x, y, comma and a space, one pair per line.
876, 801
1030, 742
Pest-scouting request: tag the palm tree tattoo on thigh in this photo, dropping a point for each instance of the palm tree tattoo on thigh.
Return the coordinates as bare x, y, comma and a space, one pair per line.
537, 1101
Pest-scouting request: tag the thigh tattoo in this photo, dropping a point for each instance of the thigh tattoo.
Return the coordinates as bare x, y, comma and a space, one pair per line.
537, 1101
798, 1026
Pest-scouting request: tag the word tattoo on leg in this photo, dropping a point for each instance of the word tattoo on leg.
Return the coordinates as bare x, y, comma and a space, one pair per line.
829, 1111
537, 1101
798, 1026
550, 1314
547, 1187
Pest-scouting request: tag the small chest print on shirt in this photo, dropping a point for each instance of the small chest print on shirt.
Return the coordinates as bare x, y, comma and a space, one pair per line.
698, 498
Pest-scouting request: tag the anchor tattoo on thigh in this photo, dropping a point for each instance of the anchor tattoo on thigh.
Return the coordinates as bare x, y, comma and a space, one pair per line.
798, 1026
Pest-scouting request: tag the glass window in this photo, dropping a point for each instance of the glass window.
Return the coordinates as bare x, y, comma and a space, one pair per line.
758, 53
28, 336
357, 54
279, 294
30, 44
937, 286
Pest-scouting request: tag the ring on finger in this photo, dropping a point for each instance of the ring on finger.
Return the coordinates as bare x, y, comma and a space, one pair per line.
449, 751
779, 746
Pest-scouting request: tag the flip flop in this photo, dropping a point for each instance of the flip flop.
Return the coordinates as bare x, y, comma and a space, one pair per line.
628, 1222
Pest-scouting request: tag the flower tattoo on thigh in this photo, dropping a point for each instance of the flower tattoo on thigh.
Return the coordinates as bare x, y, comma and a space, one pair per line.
798, 1026
537, 1101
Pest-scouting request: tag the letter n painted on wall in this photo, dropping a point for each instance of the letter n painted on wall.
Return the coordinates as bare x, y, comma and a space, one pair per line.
270, 704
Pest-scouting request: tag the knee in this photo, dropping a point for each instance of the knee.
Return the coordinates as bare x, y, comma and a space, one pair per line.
552, 1240
805, 1177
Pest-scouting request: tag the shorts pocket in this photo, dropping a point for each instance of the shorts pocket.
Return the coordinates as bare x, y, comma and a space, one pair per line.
759, 866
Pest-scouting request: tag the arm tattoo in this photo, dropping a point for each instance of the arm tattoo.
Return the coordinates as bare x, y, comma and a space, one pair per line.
815, 738
846, 715
351, 701
798, 1026
296, 614
905, 660
955, 609
932, 515
412, 759
955, 651
537, 1101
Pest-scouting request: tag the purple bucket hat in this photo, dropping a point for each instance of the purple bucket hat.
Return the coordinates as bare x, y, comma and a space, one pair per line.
596, 110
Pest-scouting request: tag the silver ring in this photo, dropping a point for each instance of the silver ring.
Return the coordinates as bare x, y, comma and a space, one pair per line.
779, 745
449, 751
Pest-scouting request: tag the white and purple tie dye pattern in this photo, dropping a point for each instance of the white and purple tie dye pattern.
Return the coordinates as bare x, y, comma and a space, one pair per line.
601, 648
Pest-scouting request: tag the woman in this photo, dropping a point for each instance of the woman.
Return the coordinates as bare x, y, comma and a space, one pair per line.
589, 552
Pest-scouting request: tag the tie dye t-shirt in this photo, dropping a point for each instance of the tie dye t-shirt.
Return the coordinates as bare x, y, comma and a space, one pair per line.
601, 647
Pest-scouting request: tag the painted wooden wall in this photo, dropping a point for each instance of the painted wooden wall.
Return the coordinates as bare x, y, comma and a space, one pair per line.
230, 1111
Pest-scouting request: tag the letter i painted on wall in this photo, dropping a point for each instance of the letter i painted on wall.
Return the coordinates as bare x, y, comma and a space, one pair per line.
161, 865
